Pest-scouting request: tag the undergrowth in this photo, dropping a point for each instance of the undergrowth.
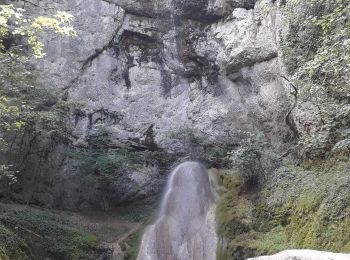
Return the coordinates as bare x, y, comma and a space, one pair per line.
37, 234
300, 207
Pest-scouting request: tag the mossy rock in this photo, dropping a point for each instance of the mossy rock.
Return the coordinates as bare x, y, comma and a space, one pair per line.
234, 217
315, 210
300, 207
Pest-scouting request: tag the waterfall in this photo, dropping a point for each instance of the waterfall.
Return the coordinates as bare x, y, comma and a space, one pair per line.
185, 228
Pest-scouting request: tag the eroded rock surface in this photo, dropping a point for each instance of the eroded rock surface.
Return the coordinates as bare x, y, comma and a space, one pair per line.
208, 66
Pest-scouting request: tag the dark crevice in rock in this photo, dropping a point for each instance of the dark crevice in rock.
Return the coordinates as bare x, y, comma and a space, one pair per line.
98, 52
166, 82
195, 10
197, 66
151, 51
149, 138
88, 61
242, 253
78, 115
289, 119
132, 37
248, 58
143, 8
147, 14
100, 116
149, 46
127, 79
246, 4
203, 19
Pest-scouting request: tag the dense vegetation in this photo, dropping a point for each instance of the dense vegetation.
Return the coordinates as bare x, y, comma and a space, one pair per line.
300, 207
316, 48
25, 105
27, 233
304, 201
29, 109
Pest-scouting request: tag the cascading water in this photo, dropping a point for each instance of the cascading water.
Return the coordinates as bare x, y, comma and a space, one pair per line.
185, 228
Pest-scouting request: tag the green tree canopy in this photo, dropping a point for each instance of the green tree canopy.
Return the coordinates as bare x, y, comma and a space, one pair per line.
16, 73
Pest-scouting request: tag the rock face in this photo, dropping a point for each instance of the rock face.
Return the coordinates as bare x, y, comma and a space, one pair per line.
185, 228
168, 65
130, 70
304, 255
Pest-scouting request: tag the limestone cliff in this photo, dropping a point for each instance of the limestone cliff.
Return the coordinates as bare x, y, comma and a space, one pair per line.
149, 75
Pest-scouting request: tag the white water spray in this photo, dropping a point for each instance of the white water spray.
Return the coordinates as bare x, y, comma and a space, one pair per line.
185, 228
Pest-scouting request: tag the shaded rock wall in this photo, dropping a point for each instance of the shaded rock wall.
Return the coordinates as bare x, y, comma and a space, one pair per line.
209, 66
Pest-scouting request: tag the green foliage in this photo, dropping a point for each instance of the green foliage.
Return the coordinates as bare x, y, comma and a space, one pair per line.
25, 106
35, 110
330, 65
198, 147
33, 105
300, 207
302, 40
60, 23
46, 234
11, 245
7, 173
247, 158
315, 209
105, 165
275, 240
21, 97
139, 211
317, 46
234, 214
100, 164
330, 139
145, 213
131, 245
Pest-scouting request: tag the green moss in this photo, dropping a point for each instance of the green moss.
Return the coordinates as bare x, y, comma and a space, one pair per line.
275, 240
300, 207
234, 215
46, 235
142, 212
11, 245
132, 243
313, 48
317, 215
231, 207
308, 202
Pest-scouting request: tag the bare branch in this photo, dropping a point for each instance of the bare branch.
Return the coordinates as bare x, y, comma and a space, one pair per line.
289, 120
